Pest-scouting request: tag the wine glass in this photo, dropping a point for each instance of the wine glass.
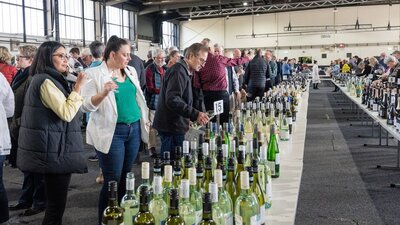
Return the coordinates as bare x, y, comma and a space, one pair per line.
195, 125
114, 78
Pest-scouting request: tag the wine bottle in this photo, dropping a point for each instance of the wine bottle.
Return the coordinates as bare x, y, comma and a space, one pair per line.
246, 208
207, 218
173, 213
289, 117
165, 161
199, 177
145, 179
144, 216
186, 209
129, 202
195, 196
205, 150
264, 175
256, 187
217, 213
185, 152
157, 167
284, 129
230, 185
249, 153
273, 156
224, 199
158, 207
176, 179
240, 168
207, 174
113, 214
193, 151
167, 183
188, 164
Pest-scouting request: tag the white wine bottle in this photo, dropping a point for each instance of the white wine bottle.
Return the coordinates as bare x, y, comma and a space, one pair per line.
224, 199
173, 213
145, 179
207, 211
113, 214
167, 183
129, 202
144, 216
246, 207
186, 209
195, 196
217, 213
157, 205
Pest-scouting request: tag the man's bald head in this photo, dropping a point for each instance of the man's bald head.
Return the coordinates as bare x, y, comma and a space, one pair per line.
237, 53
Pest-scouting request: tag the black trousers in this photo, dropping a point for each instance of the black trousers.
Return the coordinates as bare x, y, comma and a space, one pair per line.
211, 96
254, 92
56, 191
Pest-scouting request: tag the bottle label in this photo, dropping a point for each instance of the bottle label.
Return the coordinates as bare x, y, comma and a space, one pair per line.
199, 216
238, 220
289, 120
112, 223
271, 165
157, 170
262, 214
254, 220
130, 184
277, 159
228, 218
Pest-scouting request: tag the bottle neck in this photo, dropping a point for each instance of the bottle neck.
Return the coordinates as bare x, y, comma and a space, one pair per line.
144, 206
174, 207
230, 176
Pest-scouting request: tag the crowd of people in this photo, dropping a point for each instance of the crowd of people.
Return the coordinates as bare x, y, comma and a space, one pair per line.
123, 102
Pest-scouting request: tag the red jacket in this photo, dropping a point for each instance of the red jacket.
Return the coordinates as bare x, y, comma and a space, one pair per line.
8, 71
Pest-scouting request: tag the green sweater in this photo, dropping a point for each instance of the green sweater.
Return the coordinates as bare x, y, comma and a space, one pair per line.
127, 107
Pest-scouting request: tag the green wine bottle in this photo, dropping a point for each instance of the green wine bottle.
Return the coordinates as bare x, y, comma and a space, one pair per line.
240, 168
217, 213
129, 202
199, 177
113, 214
144, 216
207, 218
224, 199
249, 153
246, 207
186, 209
167, 183
230, 185
188, 164
256, 188
185, 151
173, 213
195, 196
273, 157
145, 179
158, 207
176, 180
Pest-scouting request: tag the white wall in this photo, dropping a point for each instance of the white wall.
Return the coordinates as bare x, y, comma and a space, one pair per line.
224, 31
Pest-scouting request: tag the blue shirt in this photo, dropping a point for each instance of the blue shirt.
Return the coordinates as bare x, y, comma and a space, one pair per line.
95, 63
286, 68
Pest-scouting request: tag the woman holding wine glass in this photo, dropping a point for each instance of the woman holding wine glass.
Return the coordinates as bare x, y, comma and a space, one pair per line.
119, 115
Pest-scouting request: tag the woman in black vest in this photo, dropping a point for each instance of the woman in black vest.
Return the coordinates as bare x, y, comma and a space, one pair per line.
50, 140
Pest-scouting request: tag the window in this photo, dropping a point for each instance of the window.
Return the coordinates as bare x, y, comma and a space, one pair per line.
169, 35
118, 22
77, 20
324, 55
11, 19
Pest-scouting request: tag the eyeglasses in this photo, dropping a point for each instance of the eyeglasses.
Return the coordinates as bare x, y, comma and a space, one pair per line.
62, 56
17, 57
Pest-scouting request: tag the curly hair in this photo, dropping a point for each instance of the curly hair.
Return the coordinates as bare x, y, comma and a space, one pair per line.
5, 55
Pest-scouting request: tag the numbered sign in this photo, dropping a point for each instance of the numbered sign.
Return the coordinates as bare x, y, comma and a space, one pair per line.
218, 107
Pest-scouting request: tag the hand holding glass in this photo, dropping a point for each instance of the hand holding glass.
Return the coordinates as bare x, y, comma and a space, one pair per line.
196, 125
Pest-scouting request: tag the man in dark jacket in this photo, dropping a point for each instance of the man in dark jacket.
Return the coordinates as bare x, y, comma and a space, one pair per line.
137, 63
256, 76
174, 110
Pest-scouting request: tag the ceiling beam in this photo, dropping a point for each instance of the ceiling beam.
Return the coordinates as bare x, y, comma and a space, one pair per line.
285, 7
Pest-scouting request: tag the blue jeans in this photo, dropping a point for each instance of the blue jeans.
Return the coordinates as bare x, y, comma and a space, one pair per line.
4, 216
33, 191
169, 141
118, 162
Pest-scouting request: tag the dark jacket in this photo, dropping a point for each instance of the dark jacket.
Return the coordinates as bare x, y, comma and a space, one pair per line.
48, 144
174, 108
19, 86
256, 73
146, 64
367, 70
137, 63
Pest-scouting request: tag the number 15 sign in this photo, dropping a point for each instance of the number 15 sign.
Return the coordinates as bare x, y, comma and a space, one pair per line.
218, 107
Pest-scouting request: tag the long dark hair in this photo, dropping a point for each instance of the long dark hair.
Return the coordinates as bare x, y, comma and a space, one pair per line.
113, 45
44, 57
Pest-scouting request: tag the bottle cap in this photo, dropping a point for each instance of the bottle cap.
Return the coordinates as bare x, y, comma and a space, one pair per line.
185, 147
218, 177
145, 170
178, 152
213, 187
212, 144
193, 144
225, 150
185, 188
208, 163
192, 176
168, 173
244, 180
263, 152
130, 181
206, 202
205, 149
157, 185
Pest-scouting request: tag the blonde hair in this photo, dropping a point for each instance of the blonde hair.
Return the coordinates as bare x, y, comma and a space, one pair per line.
373, 60
28, 50
5, 56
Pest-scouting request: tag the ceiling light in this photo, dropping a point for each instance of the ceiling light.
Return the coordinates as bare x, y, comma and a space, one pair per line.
335, 10
164, 11
190, 19
244, 3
